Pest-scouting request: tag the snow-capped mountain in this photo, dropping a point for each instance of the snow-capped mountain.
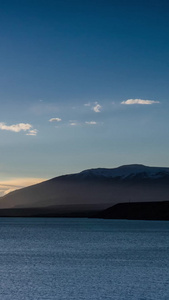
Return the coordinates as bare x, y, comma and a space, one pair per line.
127, 172
91, 190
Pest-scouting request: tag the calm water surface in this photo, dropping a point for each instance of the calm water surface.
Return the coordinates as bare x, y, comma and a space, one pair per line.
83, 259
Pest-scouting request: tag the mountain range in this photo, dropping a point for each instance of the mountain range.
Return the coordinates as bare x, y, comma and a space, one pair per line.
89, 192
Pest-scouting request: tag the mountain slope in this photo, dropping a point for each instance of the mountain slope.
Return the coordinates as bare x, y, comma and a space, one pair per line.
92, 190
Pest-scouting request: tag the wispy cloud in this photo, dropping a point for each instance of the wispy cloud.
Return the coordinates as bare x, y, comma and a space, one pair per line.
97, 108
19, 127
91, 122
8, 186
73, 124
32, 132
139, 101
55, 120
87, 104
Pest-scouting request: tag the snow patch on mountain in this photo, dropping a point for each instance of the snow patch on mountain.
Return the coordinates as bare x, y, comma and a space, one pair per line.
127, 172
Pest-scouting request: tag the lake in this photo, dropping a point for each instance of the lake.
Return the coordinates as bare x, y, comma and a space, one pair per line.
83, 259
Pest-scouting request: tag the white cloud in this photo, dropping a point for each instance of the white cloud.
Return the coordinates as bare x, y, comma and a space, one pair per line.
87, 104
139, 101
16, 127
19, 127
55, 120
8, 186
97, 107
91, 123
32, 132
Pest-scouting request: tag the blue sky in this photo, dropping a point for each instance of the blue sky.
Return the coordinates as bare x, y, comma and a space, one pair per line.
82, 84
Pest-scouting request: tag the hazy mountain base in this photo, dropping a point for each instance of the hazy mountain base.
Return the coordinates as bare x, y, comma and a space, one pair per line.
104, 193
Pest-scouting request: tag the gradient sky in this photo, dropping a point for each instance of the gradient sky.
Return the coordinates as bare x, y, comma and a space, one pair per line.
83, 84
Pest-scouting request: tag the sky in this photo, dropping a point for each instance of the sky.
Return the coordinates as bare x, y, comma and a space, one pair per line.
83, 84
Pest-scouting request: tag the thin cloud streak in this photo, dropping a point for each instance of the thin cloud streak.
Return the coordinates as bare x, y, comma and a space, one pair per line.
139, 101
32, 132
73, 124
91, 123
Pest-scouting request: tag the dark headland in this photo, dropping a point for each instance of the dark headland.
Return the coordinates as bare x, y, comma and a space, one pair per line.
128, 192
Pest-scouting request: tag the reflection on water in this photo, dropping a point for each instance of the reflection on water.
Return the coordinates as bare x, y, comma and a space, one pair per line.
83, 259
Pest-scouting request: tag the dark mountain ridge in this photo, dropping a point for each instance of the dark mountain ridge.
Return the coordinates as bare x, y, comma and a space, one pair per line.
90, 191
